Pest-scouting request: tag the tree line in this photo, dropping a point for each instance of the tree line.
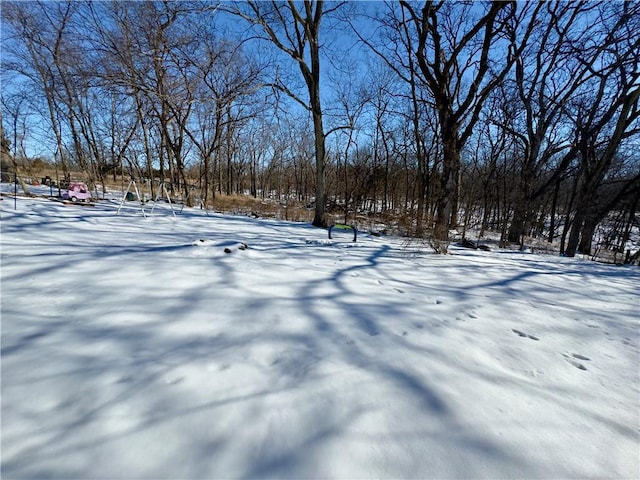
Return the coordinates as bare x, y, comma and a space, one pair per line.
520, 117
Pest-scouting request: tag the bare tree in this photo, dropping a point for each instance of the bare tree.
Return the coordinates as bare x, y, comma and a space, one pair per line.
461, 66
381, 103
37, 42
396, 49
6, 157
549, 75
227, 80
605, 117
459, 52
295, 30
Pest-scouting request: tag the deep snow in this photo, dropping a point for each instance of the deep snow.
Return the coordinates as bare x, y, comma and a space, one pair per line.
137, 348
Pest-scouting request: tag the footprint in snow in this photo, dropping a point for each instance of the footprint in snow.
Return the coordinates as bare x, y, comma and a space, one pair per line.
580, 357
535, 373
570, 359
399, 290
578, 365
471, 314
525, 335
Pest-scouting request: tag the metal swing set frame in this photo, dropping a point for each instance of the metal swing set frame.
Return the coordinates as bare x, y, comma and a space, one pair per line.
162, 188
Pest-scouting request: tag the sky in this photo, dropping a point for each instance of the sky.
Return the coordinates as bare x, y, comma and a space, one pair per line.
346, 55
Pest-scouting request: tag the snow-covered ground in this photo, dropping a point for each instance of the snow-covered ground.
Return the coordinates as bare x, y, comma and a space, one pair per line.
138, 348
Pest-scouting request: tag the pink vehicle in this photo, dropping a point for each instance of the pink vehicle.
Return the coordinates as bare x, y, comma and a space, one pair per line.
76, 191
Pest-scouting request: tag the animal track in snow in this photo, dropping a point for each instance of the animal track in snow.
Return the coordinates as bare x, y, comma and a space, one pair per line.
578, 365
580, 357
463, 316
571, 360
526, 335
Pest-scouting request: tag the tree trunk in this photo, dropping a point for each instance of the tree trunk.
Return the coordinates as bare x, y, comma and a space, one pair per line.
446, 201
554, 206
586, 235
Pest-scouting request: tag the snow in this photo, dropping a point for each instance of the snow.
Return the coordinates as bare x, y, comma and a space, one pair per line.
136, 348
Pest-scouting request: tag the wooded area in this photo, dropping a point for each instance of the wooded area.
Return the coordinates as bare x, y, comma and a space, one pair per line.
520, 118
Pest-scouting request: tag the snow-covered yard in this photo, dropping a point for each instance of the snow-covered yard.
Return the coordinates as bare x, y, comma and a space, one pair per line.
137, 348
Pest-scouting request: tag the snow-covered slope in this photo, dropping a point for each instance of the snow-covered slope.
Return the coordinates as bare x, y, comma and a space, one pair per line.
138, 348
